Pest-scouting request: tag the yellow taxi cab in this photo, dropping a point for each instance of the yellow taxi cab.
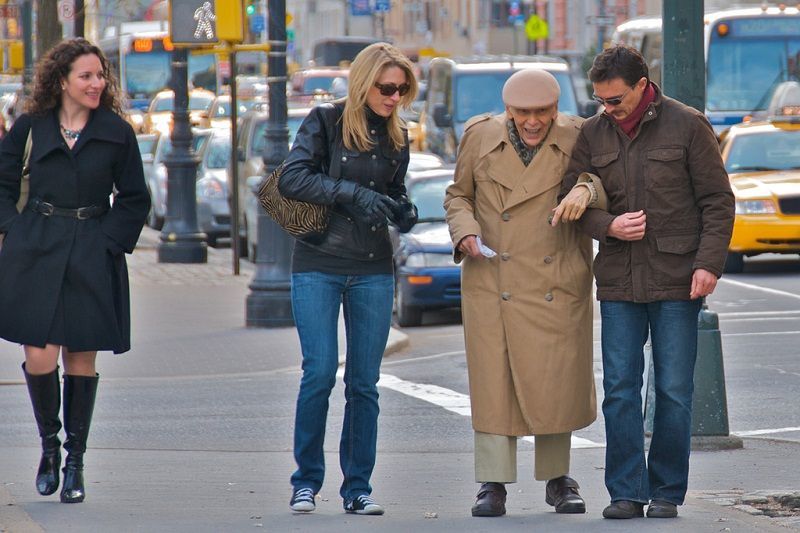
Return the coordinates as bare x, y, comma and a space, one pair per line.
763, 163
158, 118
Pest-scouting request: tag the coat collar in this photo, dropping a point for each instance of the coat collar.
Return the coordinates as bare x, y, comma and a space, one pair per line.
103, 124
542, 174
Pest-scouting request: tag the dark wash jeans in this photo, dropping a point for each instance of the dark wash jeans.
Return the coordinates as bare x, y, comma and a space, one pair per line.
673, 332
367, 303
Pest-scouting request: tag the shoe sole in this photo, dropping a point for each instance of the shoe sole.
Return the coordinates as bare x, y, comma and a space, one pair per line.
366, 512
303, 507
662, 515
484, 512
567, 508
626, 516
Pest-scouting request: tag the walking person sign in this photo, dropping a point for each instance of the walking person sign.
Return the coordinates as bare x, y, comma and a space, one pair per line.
193, 22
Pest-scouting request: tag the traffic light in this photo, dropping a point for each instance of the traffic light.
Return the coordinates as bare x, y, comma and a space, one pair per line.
251, 8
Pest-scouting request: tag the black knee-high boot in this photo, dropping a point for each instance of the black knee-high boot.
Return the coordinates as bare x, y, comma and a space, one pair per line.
45, 393
79, 395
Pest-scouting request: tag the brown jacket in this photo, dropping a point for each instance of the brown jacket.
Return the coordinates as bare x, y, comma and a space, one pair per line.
671, 169
527, 311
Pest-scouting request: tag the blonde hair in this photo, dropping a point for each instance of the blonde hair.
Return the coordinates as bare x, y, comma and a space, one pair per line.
365, 70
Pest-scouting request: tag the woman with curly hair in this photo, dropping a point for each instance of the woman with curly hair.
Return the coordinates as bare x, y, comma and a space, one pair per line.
63, 277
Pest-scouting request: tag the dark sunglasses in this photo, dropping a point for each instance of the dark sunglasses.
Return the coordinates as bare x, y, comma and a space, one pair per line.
388, 89
616, 100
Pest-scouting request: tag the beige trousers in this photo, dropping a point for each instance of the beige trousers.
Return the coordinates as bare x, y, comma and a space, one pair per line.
496, 457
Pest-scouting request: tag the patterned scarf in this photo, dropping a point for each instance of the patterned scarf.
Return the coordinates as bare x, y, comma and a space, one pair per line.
524, 151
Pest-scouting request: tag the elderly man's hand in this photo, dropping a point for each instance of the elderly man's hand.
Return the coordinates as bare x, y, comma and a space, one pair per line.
469, 246
628, 226
572, 206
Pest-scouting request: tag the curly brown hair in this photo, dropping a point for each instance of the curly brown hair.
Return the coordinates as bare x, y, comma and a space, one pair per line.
56, 65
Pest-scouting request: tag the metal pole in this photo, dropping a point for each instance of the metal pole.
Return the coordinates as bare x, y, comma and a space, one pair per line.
27, 33
181, 238
269, 302
234, 184
80, 18
684, 71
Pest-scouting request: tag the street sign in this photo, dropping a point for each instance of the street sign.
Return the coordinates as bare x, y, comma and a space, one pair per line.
360, 8
66, 10
8, 11
257, 23
602, 20
536, 28
513, 9
383, 6
193, 22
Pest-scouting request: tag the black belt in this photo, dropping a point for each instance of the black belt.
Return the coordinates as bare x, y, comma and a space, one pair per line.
81, 213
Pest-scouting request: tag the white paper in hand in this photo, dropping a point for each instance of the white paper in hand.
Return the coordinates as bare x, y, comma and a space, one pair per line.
485, 250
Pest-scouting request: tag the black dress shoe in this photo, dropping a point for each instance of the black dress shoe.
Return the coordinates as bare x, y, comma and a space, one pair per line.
562, 493
491, 500
662, 509
624, 509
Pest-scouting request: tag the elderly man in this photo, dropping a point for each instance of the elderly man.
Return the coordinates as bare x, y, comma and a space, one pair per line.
663, 241
527, 309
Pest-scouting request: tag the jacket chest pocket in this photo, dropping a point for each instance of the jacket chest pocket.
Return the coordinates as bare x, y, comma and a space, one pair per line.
665, 168
374, 169
611, 170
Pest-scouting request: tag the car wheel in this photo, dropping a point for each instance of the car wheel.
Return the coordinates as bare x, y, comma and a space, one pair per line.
407, 315
211, 240
734, 263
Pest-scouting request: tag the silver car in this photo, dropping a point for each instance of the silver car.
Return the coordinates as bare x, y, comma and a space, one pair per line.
213, 208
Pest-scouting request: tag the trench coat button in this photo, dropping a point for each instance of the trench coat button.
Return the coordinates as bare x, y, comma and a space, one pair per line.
344, 158
506, 296
549, 296
374, 156
374, 228
372, 132
371, 255
394, 162
505, 256
371, 183
548, 259
506, 217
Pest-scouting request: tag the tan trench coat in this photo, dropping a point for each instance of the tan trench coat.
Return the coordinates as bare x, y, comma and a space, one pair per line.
528, 311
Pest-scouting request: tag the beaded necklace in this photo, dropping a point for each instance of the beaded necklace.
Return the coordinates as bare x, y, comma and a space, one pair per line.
72, 135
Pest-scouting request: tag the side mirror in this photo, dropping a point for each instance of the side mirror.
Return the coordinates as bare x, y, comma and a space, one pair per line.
441, 117
589, 108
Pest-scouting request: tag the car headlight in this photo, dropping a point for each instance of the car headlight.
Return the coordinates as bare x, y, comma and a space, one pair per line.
211, 189
420, 259
755, 207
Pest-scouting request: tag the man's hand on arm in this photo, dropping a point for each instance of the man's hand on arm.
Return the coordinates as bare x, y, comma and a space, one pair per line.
703, 283
469, 246
628, 226
572, 206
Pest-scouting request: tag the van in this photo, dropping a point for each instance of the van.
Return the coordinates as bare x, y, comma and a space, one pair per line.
460, 88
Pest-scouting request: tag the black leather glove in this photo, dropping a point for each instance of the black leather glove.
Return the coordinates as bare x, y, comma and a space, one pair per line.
405, 216
374, 206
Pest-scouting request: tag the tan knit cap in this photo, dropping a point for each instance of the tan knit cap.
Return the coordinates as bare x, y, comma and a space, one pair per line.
531, 88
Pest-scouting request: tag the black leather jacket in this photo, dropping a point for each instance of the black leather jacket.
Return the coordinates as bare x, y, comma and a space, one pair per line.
307, 176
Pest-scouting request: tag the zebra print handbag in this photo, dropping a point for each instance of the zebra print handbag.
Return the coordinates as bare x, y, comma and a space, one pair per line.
301, 220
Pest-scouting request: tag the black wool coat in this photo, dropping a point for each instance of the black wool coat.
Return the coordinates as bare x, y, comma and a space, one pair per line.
61, 270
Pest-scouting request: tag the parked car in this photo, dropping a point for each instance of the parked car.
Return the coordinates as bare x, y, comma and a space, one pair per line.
250, 152
159, 113
452, 97
147, 146
213, 208
219, 114
763, 163
310, 84
426, 277
155, 175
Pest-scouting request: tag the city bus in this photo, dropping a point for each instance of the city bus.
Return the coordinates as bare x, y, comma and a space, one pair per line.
749, 52
142, 62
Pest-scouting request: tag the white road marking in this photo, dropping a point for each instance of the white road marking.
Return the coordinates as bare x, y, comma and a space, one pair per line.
760, 333
759, 288
453, 401
757, 313
765, 431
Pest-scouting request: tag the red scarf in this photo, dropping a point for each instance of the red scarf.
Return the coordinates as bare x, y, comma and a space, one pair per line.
631, 122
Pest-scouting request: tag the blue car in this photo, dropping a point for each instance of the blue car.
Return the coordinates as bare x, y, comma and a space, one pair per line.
425, 275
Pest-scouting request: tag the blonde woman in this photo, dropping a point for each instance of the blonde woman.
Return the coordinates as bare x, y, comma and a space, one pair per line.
351, 155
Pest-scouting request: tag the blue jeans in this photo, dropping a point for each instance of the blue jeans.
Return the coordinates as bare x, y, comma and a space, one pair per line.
367, 301
673, 333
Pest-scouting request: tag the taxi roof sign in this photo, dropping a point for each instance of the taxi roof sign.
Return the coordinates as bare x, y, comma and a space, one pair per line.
193, 22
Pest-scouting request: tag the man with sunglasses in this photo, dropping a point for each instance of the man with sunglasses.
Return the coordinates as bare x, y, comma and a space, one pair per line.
663, 241
526, 293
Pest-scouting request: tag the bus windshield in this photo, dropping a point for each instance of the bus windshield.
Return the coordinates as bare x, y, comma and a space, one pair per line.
146, 74
468, 102
743, 72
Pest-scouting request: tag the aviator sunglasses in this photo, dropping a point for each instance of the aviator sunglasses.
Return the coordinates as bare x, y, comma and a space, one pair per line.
616, 100
388, 89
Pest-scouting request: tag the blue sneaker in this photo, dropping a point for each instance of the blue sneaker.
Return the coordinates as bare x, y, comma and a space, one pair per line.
363, 504
302, 501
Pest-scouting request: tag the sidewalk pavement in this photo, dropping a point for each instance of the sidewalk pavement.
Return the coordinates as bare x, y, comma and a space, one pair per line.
179, 490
